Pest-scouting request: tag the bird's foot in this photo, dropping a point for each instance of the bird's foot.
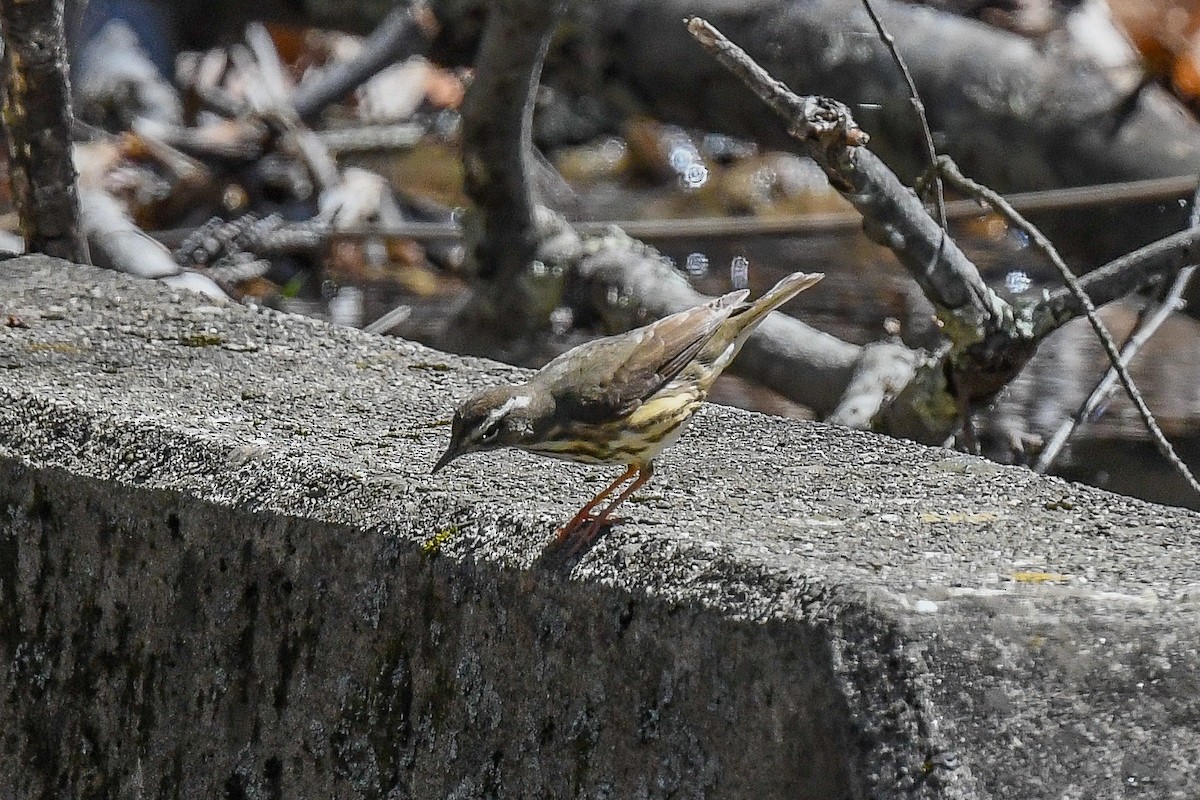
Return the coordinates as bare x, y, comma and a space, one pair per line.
585, 525
576, 535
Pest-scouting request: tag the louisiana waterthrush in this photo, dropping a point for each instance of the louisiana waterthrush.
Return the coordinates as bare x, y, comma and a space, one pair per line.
617, 400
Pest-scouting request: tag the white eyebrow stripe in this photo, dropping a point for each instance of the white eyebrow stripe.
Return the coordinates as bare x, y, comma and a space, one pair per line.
496, 414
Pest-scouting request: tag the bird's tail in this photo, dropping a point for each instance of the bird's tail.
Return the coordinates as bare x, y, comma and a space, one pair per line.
779, 294
724, 346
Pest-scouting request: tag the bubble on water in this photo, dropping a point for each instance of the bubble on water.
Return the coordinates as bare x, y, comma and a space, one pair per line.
538, 268
725, 148
1018, 281
764, 181
687, 162
695, 176
561, 320
739, 272
612, 150
696, 265
683, 154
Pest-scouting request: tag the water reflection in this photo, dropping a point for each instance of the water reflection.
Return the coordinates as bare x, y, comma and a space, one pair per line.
696, 265
346, 307
739, 272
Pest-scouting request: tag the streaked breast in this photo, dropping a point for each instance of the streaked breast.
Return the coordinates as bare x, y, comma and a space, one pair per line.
653, 426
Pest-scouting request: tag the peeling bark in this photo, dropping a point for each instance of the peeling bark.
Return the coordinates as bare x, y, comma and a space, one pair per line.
37, 119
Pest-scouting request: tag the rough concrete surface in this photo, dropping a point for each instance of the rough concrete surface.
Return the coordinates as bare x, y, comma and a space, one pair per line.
226, 572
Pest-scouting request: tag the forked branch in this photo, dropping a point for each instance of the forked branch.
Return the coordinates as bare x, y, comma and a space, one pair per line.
990, 340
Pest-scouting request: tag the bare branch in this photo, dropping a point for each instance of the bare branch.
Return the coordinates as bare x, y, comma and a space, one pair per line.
893, 216
1104, 389
960, 181
37, 118
990, 340
813, 119
400, 34
499, 162
1140, 269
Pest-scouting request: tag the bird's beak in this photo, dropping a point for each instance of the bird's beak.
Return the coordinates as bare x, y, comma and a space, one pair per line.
451, 453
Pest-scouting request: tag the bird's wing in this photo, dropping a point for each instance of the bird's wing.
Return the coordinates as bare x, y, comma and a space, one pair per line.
620, 372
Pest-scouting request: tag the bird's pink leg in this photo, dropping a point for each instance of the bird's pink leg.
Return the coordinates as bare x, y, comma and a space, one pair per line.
593, 527
584, 514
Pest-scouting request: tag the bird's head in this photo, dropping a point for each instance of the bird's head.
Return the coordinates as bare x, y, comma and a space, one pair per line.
488, 420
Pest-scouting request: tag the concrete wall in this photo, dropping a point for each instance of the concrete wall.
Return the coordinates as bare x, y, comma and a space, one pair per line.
225, 572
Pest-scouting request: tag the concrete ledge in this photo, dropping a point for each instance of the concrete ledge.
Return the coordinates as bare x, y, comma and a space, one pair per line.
225, 572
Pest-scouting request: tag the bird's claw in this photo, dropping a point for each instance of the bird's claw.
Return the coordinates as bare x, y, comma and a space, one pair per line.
577, 534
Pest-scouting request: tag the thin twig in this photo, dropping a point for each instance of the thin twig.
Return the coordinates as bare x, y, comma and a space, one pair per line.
952, 174
1150, 319
1143, 268
819, 119
939, 198
389, 320
1104, 389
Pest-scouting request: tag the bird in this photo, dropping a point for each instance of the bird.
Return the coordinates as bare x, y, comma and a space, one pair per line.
617, 400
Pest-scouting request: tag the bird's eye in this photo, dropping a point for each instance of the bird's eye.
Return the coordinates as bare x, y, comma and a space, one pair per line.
490, 434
